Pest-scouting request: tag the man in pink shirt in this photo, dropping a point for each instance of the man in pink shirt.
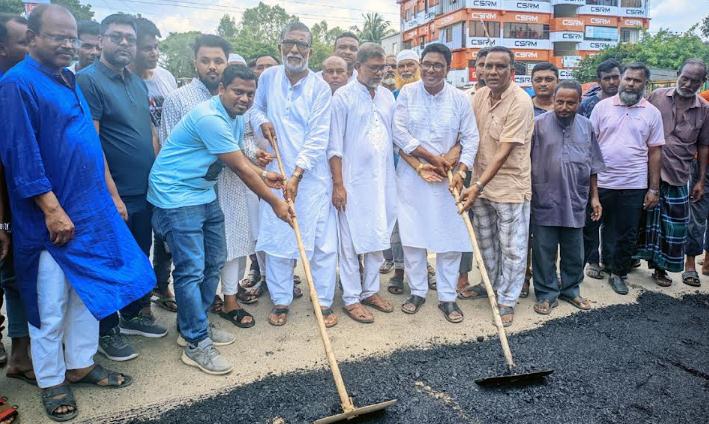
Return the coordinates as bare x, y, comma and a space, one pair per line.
630, 133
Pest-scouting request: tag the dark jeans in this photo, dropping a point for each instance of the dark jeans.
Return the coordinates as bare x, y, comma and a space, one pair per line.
195, 236
162, 263
16, 317
545, 244
622, 210
697, 242
139, 214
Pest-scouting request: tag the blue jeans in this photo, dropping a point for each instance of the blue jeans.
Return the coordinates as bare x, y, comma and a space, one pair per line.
139, 214
16, 318
195, 236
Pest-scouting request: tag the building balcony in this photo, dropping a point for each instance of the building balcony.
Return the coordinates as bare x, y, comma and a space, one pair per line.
566, 36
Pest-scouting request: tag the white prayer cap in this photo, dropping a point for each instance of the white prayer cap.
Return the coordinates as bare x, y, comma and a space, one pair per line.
407, 55
236, 58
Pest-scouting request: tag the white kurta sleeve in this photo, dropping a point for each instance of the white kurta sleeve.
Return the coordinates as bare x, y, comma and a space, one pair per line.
402, 137
469, 136
260, 108
338, 126
317, 137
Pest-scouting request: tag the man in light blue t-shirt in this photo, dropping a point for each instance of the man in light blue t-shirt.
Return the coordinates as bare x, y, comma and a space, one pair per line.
187, 214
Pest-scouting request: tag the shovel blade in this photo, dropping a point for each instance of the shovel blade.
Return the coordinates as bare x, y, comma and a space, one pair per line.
514, 379
357, 412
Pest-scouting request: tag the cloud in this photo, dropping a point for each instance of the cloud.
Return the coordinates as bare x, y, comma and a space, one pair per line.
677, 15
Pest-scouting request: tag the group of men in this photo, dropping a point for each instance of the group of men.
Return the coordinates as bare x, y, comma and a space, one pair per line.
107, 164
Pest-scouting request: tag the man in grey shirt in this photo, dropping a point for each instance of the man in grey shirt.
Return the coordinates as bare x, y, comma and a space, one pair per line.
565, 160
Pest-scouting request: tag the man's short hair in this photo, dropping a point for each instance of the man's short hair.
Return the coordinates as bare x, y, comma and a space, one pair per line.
346, 34
88, 27
637, 66
570, 84
4, 19
545, 66
146, 28
239, 71
438, 48
297, 26
482, 53
607, 66
118, 19
503, 49
368, 51
209, 40
690, 61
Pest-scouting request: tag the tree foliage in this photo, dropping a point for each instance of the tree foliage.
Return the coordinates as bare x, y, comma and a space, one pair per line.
80, 11
177, 55
323, 43
665, 49
375, 28
227, 27
260, 29
705, 27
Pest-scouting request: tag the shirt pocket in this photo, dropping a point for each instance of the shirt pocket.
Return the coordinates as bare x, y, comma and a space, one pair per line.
494, 128
686, 132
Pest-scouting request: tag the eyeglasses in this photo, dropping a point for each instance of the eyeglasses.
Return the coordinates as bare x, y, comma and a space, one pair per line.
301, 45
62, 39
438, 67
117, 38
376, 69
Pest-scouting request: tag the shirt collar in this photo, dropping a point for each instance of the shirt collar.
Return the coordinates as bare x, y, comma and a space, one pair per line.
67, 74
111, 73
671, 93
220, 108
616, 102
199, 85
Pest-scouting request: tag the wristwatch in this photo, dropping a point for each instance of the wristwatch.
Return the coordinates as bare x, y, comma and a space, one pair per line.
654, 191
480, 186
298, 176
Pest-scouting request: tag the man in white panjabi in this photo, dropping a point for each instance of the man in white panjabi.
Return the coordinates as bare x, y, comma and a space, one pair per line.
292, 105
364, 192
430, 116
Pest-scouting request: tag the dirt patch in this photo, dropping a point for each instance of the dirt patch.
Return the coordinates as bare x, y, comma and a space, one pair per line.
646, 362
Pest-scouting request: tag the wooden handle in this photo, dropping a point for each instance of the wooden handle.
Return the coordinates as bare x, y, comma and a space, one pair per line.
486, 279
345, 400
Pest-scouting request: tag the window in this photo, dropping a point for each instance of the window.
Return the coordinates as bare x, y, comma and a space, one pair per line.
602, 2
629, 35
526, 31
598, 33
422, 40
483, 29
448, 34
631, 3
406, 45
409, 15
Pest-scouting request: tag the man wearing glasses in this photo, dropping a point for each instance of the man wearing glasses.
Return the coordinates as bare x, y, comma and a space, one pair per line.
293, 104
118, 100
427, 214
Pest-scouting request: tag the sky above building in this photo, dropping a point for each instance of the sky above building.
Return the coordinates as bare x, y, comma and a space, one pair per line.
204, 15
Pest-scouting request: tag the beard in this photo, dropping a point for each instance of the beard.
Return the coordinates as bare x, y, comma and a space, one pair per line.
684, 93
630, 98
293, 69
401, 81
390, 81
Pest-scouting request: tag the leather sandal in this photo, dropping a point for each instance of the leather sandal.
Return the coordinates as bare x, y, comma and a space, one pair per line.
578, 301
278, 316
54, 398
417, 301
448, 308
379, 303
99, 373
359, 313
329, 316
544, 307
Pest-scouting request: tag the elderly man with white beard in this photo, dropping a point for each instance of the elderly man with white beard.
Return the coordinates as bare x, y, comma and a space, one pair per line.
362, 164
292, 106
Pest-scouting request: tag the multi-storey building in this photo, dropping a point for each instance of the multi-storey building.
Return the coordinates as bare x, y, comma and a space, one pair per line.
558, 31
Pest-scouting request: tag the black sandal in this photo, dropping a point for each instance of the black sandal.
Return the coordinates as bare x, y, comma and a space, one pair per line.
448, 308
237, 316
278, 311
691, 278
99, 373
396, 285
431, 276
297, 292
417, 301
54, 398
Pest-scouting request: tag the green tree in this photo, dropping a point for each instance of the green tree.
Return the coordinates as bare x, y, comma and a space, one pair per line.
705, 27
227, 27
323, 43
80, 11
259, 30
375, 28
664, 49
177, 55
14, 7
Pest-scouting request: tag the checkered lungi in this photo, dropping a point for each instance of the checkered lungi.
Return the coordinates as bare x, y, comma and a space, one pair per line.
503, 233
663, 229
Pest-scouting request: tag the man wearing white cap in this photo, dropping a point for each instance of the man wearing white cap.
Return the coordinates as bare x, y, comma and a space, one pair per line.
236, 59
407, 69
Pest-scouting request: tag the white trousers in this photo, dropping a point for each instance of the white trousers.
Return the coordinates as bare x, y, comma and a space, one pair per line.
68, 337
354, 288
232, 272
447, 266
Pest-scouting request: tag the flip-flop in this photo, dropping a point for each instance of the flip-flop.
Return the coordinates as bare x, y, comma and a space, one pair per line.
237, 316
396, 285
691, 278
22, 375
595, 271
477, 292
8, 412
578, 302
278, 311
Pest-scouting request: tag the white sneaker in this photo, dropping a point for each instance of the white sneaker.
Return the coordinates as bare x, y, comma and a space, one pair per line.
207, 358
219, 337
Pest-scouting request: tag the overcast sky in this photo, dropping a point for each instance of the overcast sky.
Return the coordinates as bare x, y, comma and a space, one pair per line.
204, 15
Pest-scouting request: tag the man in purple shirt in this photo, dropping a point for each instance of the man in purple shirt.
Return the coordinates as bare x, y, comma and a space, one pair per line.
629, 130
685, 119
565, 160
